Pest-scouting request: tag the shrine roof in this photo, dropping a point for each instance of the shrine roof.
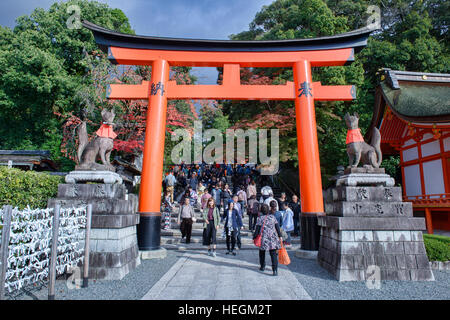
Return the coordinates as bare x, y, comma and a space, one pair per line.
416, 96
105, 38
40, 153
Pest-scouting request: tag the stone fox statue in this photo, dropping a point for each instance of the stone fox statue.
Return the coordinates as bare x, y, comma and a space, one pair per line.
101, 146
357, 149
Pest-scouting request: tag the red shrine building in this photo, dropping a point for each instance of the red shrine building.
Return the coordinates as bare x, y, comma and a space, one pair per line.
412, 112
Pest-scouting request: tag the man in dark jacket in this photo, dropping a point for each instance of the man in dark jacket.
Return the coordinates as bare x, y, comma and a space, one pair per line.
232, 225
296, 208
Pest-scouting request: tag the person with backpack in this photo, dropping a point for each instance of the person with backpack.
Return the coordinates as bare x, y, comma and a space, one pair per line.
253, 212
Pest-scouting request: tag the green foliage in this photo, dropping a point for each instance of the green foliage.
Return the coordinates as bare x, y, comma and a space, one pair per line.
392, 167
413, 37
43, 70
27, 188
437, 247
444, 239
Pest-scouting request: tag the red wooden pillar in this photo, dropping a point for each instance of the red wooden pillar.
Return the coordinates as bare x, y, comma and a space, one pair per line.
308, 157
428, 221
149, 228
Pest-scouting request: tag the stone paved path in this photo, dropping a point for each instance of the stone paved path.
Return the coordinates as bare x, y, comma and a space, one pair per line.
197, 276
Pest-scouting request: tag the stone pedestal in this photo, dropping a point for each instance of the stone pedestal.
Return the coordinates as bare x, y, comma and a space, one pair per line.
113, 245
78, 176
367, 225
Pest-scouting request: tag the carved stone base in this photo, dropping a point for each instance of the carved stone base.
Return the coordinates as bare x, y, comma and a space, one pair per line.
94, 167
370, 234
354, 255
78, 176
365, 179
114, 249
366, 169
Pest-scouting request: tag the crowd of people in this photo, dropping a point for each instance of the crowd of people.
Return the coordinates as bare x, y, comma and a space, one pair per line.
206, 187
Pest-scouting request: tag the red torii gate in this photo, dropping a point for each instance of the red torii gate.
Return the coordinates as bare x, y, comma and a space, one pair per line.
161, 53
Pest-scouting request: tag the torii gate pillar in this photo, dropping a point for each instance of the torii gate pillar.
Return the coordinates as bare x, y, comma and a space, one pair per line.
149, 228
308, 157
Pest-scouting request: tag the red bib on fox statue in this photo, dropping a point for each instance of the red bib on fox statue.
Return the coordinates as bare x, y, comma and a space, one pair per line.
106, 131
354, 135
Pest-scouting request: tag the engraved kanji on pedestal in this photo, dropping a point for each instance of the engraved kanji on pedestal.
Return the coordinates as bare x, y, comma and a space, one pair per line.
367, 225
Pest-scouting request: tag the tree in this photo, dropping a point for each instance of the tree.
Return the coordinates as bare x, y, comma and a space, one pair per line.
290, 19
43, 69
131, 116
413, 37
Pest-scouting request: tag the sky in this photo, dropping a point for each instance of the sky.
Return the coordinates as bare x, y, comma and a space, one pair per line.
201, 19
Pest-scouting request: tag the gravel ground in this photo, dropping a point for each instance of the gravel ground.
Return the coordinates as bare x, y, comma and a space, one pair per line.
322, 286
132, 287
319, 284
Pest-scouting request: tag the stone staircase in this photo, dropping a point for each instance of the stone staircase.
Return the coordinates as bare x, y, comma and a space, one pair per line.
171, 238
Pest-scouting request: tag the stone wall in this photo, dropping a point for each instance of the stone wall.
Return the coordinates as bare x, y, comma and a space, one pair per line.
113, 243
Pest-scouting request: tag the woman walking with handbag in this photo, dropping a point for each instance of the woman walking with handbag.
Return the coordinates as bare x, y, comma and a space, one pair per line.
211, 218
268, 229
232, 224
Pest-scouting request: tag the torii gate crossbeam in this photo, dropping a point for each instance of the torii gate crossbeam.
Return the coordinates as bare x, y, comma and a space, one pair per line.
298, 54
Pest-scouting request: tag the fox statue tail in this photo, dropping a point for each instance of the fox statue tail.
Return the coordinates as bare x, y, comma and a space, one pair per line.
82, 139
375, 143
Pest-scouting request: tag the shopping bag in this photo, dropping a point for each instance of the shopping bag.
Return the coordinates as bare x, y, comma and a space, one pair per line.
283, 257
257, 240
